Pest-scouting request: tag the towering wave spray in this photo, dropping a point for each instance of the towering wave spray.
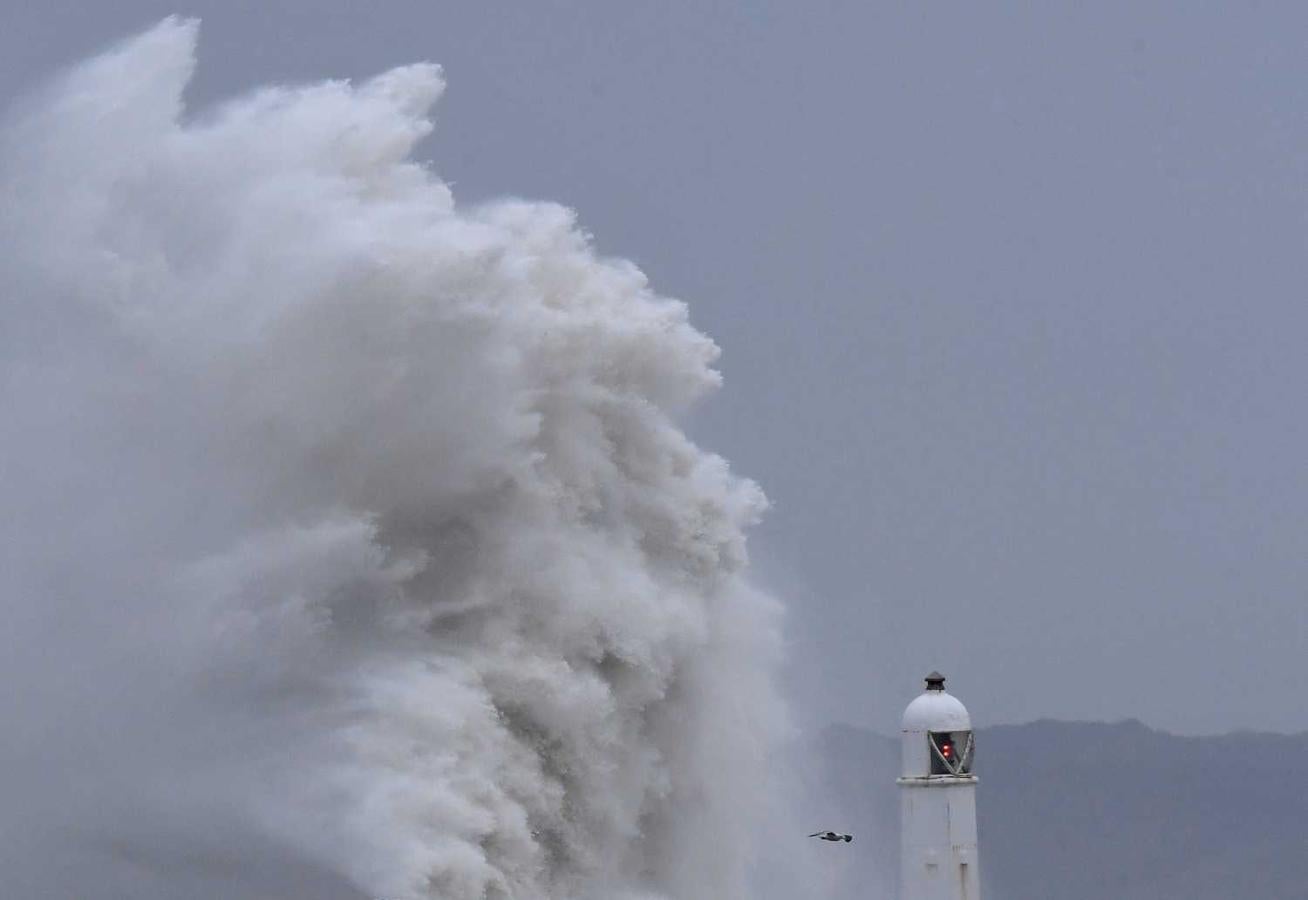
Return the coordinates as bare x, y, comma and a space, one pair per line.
351, 547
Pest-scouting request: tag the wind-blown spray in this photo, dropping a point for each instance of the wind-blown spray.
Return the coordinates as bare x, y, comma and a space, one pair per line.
348, 525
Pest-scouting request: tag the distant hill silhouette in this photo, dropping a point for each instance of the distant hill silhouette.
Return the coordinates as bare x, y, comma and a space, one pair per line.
1088, 811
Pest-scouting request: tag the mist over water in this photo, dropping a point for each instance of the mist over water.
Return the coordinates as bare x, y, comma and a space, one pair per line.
351, 544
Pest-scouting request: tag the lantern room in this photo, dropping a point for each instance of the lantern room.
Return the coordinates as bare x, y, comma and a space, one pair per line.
937, 734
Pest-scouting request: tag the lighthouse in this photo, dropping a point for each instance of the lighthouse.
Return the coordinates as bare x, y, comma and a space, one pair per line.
937, 794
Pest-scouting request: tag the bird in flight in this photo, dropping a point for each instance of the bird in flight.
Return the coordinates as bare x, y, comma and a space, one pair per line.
832, 836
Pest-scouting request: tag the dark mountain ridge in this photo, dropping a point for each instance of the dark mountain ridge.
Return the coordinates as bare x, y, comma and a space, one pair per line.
1090, 811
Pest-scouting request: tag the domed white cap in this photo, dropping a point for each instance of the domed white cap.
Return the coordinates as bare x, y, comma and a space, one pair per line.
935, 710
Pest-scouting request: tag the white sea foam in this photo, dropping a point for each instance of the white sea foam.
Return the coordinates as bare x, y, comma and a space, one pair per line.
350, 522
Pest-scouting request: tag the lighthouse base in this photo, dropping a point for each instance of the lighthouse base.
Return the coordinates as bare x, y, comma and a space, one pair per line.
938, 852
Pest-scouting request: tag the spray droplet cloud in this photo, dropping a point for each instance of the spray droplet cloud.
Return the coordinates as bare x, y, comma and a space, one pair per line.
353, 543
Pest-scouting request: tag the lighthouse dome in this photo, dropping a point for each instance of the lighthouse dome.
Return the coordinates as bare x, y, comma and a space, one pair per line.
936, 711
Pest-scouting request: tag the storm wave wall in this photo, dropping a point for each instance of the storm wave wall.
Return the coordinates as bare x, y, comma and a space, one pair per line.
352, 546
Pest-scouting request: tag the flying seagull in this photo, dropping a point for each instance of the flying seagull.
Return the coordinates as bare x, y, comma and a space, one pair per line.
832, 836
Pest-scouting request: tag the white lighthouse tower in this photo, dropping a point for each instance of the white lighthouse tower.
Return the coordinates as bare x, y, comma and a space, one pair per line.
937, 792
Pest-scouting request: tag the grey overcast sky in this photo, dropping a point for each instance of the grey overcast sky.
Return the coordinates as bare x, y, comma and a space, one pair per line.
1010, 298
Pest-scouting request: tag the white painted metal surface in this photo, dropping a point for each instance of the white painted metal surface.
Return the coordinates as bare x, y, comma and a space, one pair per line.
937, 811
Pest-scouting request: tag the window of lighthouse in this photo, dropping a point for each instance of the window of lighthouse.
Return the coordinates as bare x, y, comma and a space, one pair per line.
951, 752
